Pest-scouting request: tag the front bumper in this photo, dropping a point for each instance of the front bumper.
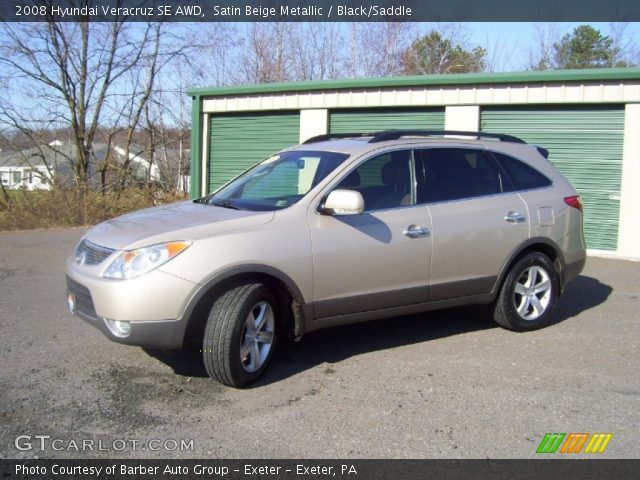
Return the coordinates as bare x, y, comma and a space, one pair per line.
153, 304
166, 334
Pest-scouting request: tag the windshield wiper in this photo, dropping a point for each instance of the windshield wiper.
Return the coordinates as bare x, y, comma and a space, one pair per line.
225, 204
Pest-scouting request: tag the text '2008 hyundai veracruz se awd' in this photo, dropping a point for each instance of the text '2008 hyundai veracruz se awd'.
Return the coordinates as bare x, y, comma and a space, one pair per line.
334, 231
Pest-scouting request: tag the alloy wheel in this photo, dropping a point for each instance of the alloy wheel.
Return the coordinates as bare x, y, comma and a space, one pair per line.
257, 337
532, 293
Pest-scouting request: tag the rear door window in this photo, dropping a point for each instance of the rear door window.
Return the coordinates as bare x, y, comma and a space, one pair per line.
445, 174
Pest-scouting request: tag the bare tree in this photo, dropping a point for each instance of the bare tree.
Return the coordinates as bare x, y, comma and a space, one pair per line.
264, 52
168, 121
624, 45
316, 51
541, 53
376, 48
81, 74
213, 59
500, 55
266, 56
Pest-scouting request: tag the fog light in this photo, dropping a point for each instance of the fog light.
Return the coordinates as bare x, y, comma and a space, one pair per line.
118, 328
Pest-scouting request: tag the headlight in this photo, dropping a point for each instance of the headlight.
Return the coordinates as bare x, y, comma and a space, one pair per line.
133, 263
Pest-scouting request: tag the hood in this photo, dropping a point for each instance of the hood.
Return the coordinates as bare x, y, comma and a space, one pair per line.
177, 221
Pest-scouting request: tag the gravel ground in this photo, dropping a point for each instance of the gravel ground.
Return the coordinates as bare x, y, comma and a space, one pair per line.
440, 385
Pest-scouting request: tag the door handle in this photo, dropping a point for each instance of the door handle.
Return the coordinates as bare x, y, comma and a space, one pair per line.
416, 231
514, 217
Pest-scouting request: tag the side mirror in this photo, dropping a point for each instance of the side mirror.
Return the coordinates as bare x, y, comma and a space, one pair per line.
344, 202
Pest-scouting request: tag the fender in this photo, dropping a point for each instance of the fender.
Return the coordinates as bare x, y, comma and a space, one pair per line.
256, 268
522, 247
302, 310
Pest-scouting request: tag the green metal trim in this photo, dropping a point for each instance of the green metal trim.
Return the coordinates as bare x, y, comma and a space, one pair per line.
196, 147
594, 74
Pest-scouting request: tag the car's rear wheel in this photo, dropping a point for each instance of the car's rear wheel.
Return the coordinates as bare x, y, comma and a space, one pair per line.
240, 335
528, 295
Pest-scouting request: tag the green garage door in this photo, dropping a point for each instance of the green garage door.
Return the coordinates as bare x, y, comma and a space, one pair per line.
237, 141
373, 120
585, 143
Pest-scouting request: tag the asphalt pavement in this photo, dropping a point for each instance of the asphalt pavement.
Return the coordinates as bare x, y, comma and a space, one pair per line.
446, 384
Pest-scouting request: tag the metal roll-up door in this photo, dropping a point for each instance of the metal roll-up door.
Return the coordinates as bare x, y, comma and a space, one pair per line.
238, 141
374, 120
585, 144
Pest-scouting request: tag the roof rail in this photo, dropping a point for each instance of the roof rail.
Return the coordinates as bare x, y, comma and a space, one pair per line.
396, 134
329, 136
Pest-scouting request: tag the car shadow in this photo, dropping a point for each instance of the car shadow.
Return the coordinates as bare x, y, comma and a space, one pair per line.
581, 294
339, 343
186, 362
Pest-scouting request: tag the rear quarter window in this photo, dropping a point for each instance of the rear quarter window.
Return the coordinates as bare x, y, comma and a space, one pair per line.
522, 176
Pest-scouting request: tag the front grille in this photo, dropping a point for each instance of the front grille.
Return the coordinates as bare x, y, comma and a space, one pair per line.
84, 302
93, 254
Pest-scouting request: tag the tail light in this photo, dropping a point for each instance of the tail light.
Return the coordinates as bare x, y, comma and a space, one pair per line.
574, 201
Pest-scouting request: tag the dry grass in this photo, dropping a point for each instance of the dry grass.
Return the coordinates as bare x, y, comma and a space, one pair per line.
26, 210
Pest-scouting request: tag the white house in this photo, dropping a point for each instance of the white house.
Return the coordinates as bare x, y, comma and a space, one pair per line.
24, 169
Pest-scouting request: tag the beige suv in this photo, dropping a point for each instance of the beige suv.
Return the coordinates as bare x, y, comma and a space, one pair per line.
338, 230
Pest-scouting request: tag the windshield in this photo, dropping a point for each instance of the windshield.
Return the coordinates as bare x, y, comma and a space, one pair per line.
277, 182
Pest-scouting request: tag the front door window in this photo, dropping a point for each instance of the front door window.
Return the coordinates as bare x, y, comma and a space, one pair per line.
385, 181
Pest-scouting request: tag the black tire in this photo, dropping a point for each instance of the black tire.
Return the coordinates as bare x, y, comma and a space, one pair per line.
509, 303
226, 330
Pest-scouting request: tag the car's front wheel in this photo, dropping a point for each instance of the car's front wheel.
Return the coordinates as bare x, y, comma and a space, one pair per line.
240, 335
528, 295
